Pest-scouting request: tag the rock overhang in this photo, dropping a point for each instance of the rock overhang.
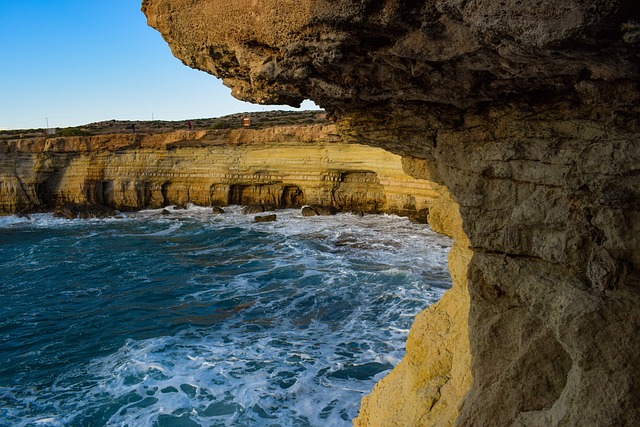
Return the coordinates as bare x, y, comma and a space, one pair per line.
347, 55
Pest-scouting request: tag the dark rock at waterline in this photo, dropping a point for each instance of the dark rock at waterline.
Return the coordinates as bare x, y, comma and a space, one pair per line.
165, 212
84, 211
217, 210
315, 210
421, 217
308, 211
265, 218
253, 209
180, 207
325, 210
24, 215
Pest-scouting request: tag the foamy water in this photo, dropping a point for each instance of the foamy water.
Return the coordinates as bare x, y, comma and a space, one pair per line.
198, 319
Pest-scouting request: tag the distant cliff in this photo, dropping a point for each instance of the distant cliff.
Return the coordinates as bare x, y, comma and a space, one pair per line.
286, 166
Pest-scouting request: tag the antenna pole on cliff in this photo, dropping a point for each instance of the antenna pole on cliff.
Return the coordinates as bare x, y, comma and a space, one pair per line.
47, 120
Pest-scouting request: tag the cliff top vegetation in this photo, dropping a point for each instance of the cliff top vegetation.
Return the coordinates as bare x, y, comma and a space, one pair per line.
258, 120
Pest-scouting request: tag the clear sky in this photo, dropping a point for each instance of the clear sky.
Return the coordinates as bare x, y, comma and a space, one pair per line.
72, 62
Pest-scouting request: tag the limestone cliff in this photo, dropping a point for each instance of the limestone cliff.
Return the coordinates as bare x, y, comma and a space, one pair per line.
528, 113
280, 166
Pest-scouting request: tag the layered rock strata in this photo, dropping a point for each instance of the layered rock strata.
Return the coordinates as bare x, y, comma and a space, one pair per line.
527, 112
279, 167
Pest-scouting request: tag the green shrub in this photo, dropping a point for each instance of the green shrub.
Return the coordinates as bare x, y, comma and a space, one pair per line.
72, 132
221, 125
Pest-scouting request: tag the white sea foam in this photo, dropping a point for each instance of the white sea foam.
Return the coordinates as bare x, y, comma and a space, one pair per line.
294, 332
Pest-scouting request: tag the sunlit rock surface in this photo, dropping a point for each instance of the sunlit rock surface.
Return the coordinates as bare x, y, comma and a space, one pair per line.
278, 167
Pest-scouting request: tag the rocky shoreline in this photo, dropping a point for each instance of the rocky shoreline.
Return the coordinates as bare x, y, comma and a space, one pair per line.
97, 211
271, 168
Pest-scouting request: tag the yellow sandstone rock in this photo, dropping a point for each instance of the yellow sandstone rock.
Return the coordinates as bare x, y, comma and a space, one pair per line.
435, 374
281, 167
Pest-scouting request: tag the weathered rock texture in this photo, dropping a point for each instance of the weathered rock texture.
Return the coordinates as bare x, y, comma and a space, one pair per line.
428, 384
528, 112
278, 167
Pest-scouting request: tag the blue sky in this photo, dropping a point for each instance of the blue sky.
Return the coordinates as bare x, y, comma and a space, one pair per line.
71, 62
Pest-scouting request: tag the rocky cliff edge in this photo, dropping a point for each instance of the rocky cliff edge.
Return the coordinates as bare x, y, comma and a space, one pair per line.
275, 167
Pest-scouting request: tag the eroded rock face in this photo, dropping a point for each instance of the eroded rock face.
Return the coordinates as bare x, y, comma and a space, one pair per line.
528, 112
283, 167
349, 55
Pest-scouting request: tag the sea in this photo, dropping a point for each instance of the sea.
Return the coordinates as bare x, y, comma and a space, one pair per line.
194, 319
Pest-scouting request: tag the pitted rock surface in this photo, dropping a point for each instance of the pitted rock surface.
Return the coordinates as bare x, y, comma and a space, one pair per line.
348, 55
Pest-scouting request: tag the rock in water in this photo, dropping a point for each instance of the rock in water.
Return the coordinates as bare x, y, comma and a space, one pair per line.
265, 218
248, 210
84, 211
217, 210
308, 211
314, 210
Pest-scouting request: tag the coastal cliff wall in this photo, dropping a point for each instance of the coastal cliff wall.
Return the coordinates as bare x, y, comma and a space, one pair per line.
527, 113
279, 167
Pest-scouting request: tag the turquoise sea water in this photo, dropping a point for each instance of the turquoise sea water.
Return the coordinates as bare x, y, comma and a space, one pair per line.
197, 319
